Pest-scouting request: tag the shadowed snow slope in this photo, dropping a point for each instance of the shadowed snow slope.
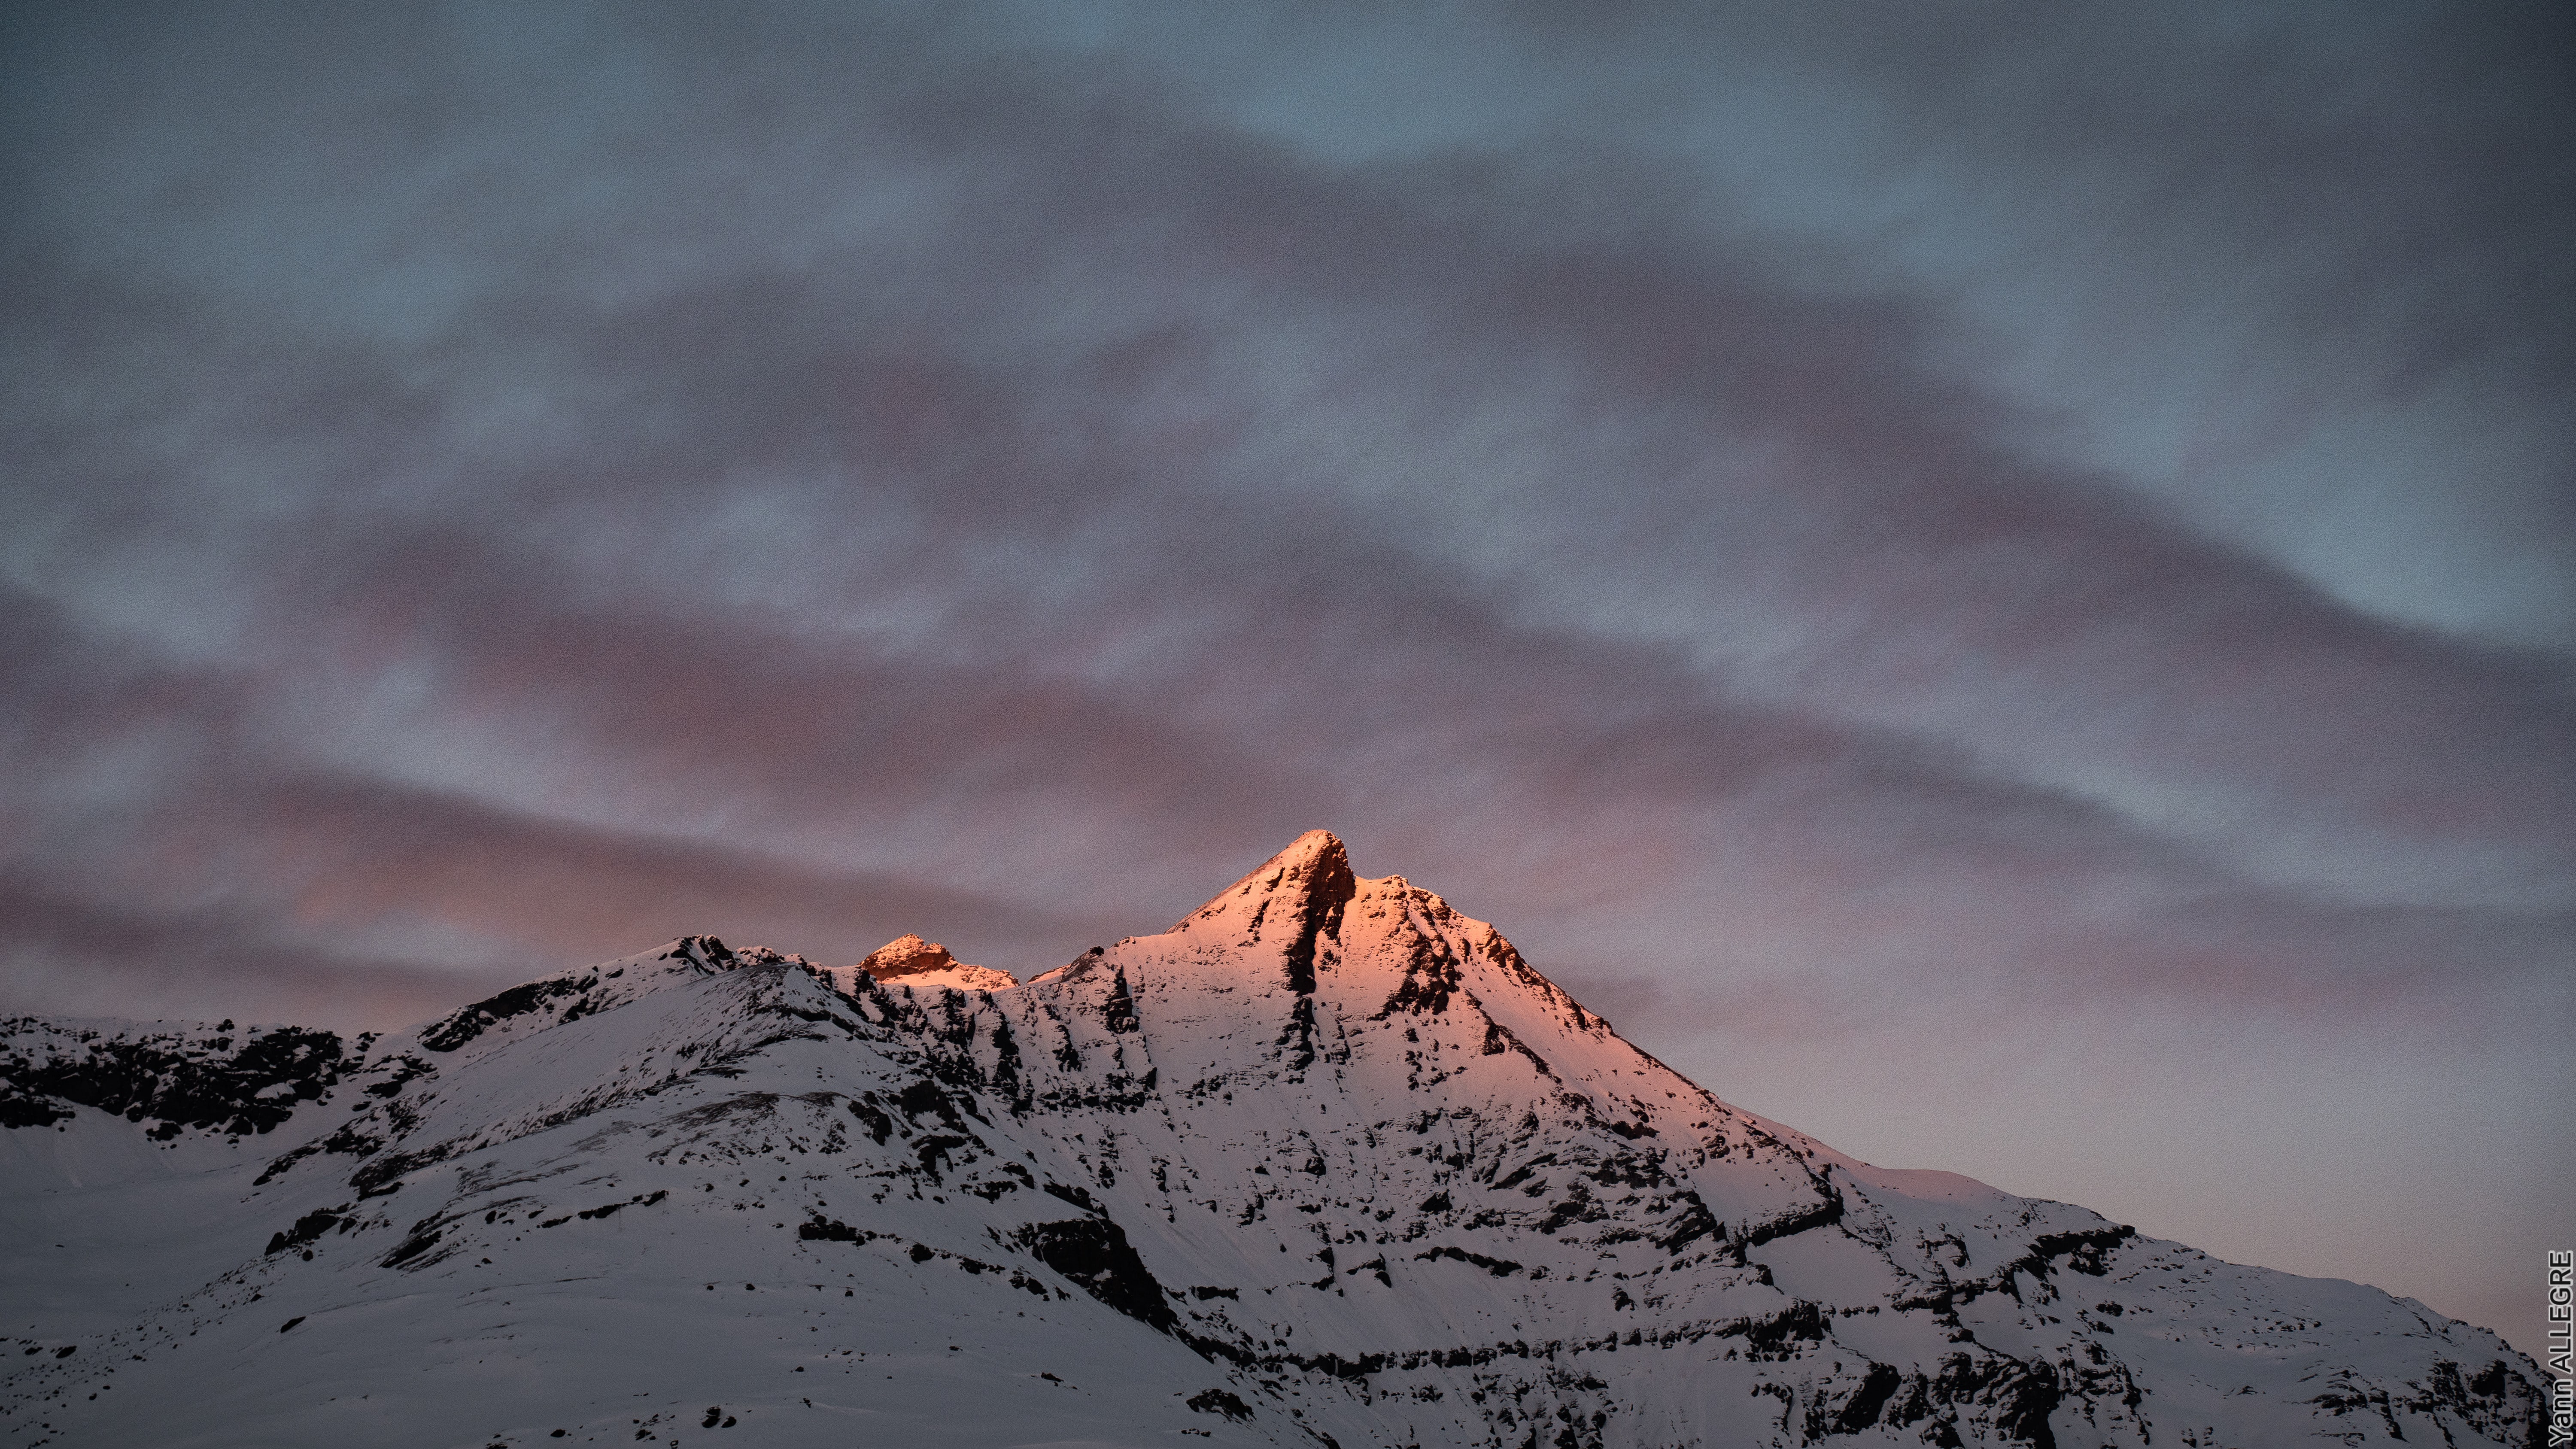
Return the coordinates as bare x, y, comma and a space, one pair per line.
1325, 1163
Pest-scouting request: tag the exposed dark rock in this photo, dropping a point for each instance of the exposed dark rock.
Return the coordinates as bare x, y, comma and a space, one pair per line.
177, 1081
1119, 1010
18, 1109
420, 1241
1862, 1409
1221, 1401
1094, 1254
308, 1228
467, 1023
1499, 1267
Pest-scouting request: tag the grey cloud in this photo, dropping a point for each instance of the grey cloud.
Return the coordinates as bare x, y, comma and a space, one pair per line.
76, 955
486, 489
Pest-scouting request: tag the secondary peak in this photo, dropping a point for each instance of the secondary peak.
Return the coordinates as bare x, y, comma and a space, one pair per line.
908, 960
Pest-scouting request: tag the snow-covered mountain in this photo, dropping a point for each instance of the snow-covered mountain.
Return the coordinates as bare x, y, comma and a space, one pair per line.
1326, 1163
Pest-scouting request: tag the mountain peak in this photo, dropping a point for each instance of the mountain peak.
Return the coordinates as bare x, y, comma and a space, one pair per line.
908, 960
1309, 883
907, 955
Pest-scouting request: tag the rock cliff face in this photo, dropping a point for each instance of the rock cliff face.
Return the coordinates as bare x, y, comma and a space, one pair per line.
1325, 1163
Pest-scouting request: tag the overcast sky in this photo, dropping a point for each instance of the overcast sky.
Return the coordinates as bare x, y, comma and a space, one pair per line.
1996, 583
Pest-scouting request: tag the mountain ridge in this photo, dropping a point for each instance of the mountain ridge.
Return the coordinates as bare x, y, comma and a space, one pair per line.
1326, 1162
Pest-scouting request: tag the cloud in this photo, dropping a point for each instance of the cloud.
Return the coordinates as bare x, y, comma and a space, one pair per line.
1919, 538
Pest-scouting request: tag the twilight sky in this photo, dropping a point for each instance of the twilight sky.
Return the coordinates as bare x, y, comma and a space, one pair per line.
1994, 582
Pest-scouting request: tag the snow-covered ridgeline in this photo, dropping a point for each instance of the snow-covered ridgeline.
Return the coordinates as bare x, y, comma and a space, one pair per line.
1327, 1162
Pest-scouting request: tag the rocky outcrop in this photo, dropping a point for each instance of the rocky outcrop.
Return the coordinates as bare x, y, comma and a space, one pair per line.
910, 961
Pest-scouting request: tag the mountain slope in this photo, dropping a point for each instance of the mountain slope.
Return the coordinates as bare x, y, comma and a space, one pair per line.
1324, 1163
